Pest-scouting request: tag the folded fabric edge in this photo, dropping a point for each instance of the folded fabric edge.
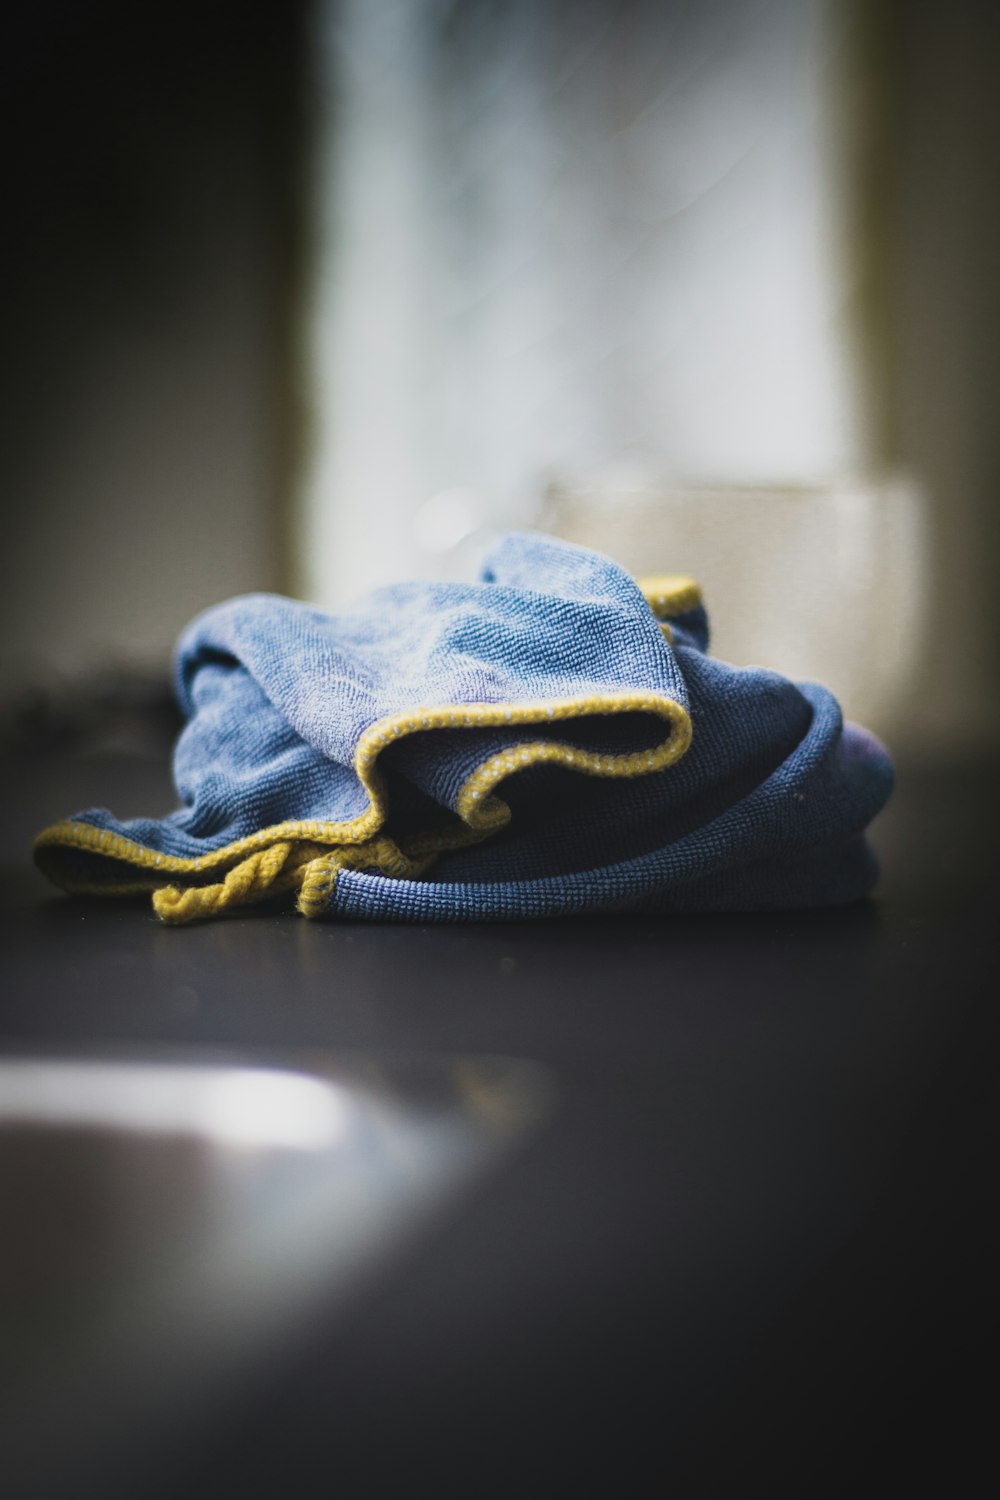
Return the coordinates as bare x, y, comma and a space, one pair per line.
281, 857
669, 877
363, 896
670, 594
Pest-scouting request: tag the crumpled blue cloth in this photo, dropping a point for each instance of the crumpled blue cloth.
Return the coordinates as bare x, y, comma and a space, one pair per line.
549, 739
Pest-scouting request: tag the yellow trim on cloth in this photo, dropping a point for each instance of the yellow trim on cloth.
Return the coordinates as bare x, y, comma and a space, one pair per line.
669, 595
309, 855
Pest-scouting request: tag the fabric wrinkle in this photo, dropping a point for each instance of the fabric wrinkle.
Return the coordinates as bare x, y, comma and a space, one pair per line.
552, 738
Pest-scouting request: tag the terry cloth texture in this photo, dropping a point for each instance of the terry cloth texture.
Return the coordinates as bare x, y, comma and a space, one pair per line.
551, 739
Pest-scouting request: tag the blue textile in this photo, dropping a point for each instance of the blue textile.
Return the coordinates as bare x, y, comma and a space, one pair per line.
591, 799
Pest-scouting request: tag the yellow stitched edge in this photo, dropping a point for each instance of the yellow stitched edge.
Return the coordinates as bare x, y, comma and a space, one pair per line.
670, 594
279, 857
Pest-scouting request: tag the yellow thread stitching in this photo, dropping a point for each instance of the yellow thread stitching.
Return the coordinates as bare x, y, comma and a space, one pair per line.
267, 873
670, 594
278, 857
382, 855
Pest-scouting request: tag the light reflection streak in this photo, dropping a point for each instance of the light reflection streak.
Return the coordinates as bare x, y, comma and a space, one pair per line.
253, 1107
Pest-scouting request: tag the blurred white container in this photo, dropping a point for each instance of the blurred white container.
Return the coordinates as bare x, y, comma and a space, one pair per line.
824, 582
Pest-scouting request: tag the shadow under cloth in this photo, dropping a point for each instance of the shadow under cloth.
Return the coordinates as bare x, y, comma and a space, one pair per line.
551, 739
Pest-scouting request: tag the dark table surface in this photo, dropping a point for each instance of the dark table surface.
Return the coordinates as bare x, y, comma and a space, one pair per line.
752, 1248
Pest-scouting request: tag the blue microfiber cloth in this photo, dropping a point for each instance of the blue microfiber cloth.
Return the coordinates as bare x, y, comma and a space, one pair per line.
551, 739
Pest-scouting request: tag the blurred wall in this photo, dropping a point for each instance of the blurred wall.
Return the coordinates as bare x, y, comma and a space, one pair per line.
559, 234
940, 61
149, 188
149, 419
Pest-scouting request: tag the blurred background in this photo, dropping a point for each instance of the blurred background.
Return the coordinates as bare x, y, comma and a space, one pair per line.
311, 296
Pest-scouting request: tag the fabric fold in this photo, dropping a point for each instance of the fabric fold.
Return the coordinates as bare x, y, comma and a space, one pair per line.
552, 737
